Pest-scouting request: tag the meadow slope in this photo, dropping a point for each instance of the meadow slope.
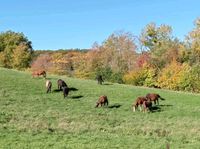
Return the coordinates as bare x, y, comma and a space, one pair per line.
30, 118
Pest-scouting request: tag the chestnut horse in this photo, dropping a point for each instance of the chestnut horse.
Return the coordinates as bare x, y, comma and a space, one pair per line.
147, 105
142, 102
39, 73
102, 101
154, 98
139, 103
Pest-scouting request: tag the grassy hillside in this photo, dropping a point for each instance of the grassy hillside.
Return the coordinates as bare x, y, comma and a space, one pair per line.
30, 118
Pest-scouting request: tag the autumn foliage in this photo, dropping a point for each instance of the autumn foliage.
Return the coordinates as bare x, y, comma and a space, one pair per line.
155, 58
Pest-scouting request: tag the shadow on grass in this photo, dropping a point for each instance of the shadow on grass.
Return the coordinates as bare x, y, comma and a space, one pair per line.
165, 105
57, 90
114, 106
156, 109
73, 89
77, 97
70, 89
107, 84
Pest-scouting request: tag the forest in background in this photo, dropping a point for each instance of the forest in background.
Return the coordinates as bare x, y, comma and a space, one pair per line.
155, 58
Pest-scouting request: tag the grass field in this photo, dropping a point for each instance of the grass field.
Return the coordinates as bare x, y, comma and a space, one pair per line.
30, 118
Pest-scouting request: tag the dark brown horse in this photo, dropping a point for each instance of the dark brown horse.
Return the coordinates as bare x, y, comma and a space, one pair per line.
39, 73
103, 100
138, 103
61, 84
154, 98
65, 91
99, 78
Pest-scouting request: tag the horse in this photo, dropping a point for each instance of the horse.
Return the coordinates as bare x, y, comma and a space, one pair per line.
48, 85
147, 105
65, 91
138, 103
103, 100
61, 84
99, 79
39, 73
154, 98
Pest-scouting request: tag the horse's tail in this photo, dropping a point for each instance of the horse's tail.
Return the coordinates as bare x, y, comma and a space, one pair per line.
107, 102
161, 97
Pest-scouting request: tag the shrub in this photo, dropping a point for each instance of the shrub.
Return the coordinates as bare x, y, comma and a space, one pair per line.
173, 76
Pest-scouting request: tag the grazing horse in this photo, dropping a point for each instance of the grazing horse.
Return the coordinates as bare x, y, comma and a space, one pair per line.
154, 98
39, 73
61, 84
102, 101
48, 85
139, 103
147, 105
99, 79
65, 91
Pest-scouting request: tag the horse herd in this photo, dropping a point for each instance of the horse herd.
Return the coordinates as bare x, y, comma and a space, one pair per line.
144, 103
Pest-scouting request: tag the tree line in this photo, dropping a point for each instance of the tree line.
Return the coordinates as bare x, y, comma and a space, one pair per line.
155, 58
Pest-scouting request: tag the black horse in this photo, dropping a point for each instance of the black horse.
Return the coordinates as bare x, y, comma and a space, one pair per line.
99, 78
65, 91
61, 84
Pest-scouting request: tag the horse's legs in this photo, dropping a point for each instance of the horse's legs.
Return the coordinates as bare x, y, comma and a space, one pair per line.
158, 101
140, 107
154, 102
133, 108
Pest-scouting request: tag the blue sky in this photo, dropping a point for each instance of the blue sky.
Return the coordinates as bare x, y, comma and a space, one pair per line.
62, 24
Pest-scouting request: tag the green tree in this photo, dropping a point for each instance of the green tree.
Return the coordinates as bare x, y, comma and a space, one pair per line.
160, 44
10, 45
21, 57
193, 39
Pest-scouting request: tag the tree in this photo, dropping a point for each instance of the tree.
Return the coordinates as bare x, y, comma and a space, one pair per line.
11, 45
161, 45
119, 51
21, 57
114, 57
42, 62
193, 39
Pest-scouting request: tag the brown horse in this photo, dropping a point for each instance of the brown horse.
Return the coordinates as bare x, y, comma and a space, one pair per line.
39, 73
138, 103
147, 105
154, 98
102, 101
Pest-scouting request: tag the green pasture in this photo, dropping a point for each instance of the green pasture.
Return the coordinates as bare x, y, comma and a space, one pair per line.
30, 118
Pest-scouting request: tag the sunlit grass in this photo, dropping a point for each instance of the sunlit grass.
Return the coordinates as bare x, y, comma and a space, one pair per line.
30, 118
